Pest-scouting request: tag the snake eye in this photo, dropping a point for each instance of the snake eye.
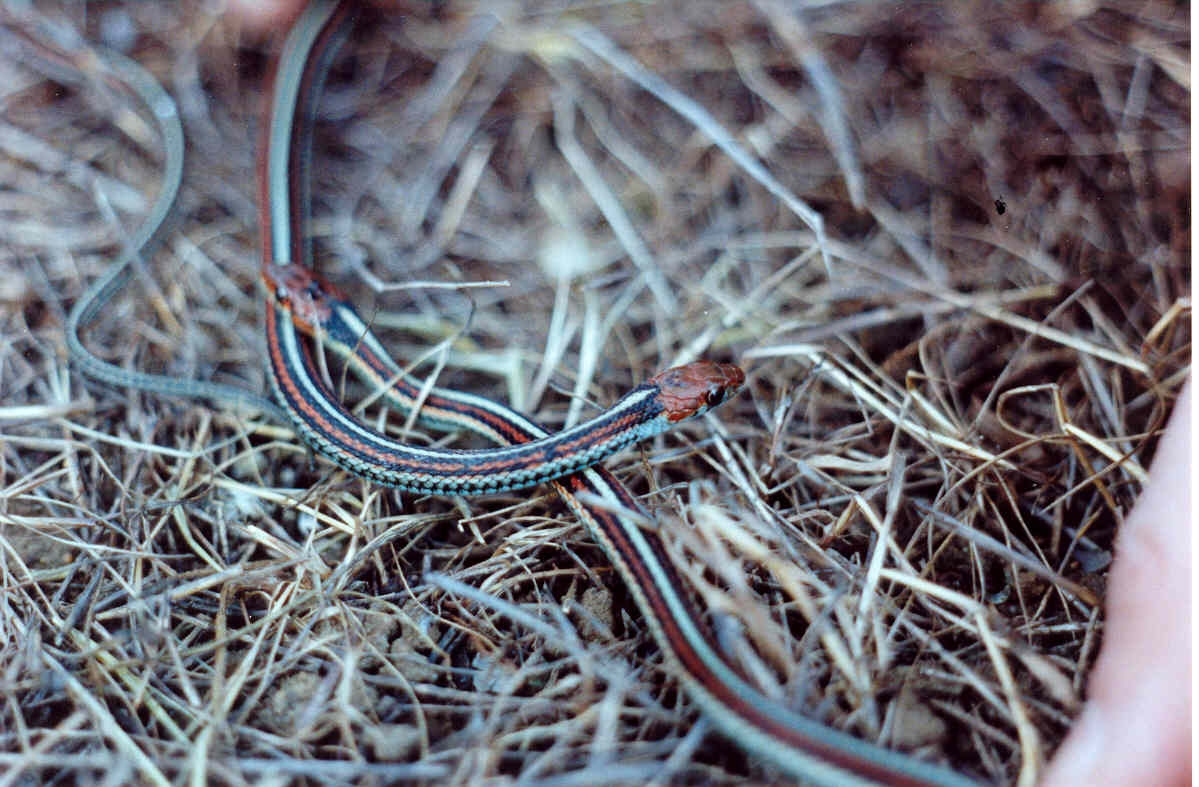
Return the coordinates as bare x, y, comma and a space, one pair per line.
714, 395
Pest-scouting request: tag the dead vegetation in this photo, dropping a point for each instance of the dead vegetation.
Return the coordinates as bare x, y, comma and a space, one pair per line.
949, 242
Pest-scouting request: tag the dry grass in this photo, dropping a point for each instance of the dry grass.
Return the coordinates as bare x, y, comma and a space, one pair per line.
902, 527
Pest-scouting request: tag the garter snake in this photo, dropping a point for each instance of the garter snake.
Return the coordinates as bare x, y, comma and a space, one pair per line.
303, 307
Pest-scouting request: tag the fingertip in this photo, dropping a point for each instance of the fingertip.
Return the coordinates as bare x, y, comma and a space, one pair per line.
1135, 728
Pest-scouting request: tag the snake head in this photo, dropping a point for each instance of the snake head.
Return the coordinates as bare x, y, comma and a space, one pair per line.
304, 293
695, 388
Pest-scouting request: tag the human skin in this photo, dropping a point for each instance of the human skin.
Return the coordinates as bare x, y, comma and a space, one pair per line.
1135, 727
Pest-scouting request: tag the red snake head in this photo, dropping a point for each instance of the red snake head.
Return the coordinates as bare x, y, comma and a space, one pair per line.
302, 292
695, 388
